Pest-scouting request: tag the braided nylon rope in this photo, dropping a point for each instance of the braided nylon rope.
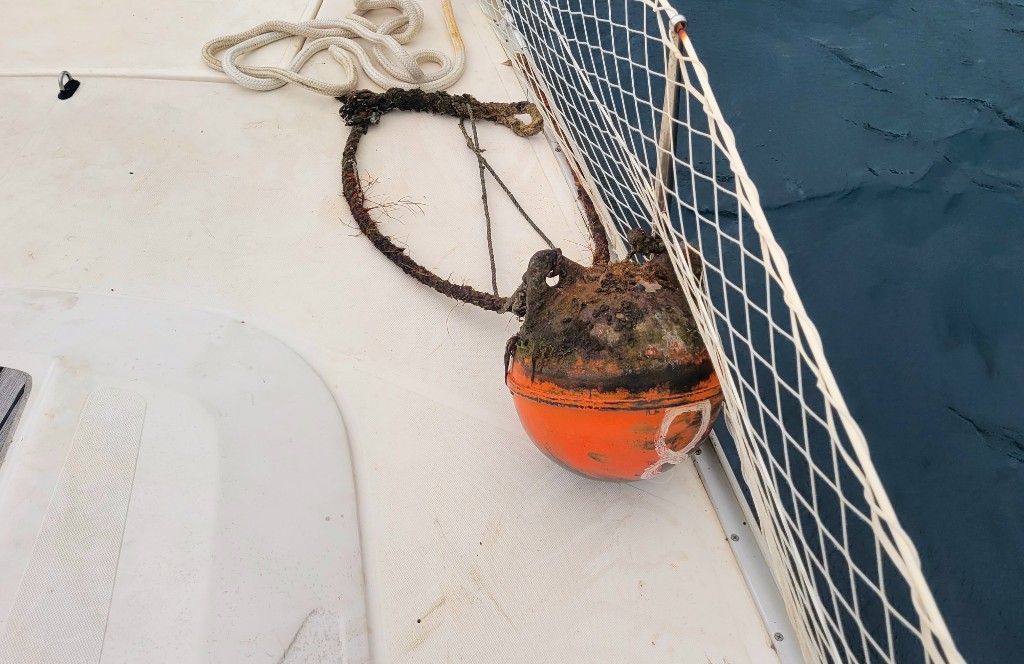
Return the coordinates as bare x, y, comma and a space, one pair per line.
392, 66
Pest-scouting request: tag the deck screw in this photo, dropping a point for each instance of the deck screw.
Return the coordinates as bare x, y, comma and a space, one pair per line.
734, 537
697, 452
779, 637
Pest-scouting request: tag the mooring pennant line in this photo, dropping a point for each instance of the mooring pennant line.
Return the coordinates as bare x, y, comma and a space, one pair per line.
669, 456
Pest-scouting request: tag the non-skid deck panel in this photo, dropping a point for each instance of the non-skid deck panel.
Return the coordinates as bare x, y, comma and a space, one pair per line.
60, 611
214, 197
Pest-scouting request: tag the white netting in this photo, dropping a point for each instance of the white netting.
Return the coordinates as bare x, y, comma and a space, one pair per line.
629, 103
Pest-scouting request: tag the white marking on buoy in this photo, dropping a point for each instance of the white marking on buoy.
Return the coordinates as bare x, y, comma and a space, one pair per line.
667, 455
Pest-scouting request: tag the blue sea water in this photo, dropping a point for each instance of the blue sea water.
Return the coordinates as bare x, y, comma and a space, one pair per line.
887, 141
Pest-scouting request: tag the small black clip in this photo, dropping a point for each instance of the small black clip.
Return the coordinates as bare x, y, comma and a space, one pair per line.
67, 85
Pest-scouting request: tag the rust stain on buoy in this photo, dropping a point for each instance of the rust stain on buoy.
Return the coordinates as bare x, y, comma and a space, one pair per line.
608, 373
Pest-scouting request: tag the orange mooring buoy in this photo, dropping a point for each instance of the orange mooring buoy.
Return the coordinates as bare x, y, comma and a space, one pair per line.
608, 373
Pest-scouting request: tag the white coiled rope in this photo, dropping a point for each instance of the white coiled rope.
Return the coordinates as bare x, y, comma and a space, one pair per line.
395, 67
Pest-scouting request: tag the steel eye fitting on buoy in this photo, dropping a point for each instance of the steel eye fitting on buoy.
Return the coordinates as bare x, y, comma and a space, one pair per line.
608, 373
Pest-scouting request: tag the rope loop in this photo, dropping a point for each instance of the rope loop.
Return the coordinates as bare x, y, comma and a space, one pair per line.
362, 109
394, 67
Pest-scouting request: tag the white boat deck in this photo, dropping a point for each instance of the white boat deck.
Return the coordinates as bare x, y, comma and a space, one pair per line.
155, 184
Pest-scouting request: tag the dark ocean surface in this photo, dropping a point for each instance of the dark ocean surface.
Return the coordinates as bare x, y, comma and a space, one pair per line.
887, 141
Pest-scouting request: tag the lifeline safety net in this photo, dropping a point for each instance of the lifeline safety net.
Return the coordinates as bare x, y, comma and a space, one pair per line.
628, 101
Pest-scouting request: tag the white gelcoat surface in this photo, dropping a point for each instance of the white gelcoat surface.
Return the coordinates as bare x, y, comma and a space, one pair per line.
60, 612
134, 39
475, 547
242, 515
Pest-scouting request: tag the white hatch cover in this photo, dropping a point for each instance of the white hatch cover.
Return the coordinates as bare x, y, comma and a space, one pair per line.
179, 489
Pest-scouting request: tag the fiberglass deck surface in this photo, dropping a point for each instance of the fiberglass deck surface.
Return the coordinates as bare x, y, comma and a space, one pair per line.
476, 548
